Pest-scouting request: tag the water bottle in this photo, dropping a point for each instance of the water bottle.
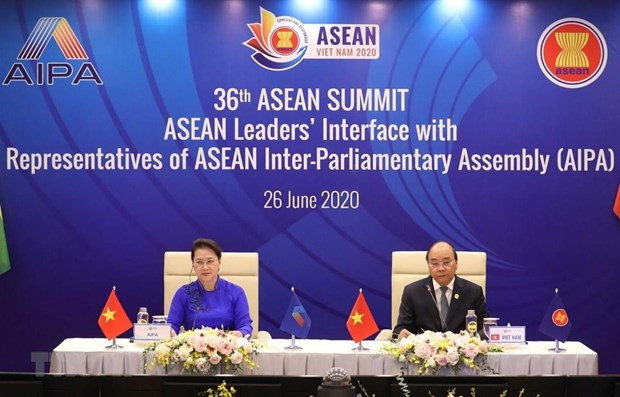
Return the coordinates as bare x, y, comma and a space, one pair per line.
143, 316
471, 321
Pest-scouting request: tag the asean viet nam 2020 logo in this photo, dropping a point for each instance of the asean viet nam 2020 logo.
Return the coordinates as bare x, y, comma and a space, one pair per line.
281, 43
46, 73
572, 53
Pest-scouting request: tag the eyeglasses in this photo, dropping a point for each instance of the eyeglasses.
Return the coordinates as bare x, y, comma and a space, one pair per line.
446, 263
205, 262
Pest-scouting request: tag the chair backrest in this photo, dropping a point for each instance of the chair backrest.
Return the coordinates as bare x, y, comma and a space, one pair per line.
410, 266
240, 268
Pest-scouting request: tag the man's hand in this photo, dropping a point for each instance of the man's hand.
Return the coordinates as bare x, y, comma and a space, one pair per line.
403, 333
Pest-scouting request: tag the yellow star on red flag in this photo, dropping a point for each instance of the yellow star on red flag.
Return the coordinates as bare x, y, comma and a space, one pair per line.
357, 318
109, 314
358, 328
113, 320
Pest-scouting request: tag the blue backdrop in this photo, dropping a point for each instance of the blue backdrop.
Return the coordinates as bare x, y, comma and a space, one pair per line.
73, 233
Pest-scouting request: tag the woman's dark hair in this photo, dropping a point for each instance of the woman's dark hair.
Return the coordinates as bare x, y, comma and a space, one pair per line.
207, 243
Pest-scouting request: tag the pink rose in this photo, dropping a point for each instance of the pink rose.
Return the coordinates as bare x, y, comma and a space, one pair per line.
471, 350
423, 351
226, 348
215, 359
200, 345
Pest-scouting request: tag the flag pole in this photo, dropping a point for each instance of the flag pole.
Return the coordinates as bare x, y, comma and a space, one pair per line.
114, 346
360, 347
293, 346
557, 348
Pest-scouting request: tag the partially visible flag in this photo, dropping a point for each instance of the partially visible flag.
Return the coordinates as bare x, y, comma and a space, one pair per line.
360, 323
296, 321
555, 323
5, 264
113, 320
617, 203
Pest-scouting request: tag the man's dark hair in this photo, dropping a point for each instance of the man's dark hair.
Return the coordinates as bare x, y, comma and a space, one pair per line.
445, 242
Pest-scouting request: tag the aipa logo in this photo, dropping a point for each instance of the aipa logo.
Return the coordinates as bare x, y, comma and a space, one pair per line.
48, 72
572, 53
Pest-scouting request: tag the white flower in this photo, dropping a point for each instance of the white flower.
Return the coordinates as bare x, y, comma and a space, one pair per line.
236, 358
161, 351
202, 364
423, 351
239, 343
182, 353
215, 359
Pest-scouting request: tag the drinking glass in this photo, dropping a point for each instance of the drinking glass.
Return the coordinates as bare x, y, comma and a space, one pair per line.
487, 323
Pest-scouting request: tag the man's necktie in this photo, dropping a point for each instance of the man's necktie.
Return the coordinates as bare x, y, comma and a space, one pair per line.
443, 302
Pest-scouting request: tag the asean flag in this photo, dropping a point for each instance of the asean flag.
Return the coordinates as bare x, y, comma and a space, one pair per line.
113, 320
555, 323
361, 324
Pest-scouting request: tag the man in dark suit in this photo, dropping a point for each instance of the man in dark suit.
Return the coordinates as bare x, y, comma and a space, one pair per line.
422, 301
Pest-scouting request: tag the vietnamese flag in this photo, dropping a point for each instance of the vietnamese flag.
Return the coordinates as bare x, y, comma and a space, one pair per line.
617, 203
113, 320
360, 323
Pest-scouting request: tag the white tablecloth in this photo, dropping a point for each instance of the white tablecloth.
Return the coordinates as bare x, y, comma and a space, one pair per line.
89, 356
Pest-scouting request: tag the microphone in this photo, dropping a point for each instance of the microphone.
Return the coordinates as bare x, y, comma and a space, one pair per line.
444, 325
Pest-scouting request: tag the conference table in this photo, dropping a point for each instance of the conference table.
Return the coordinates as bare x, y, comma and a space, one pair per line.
90, 356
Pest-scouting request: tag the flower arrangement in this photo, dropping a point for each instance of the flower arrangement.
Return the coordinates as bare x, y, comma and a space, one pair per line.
431, 351
204, 351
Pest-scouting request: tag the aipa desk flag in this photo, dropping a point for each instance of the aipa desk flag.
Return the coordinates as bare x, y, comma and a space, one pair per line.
296, 321
555, 323
361, 323
5, 264
113, 320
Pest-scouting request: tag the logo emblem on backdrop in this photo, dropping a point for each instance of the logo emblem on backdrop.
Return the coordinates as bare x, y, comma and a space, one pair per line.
572, 53
281, 43
47, 73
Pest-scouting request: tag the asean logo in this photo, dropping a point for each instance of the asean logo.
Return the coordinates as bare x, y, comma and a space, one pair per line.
279, 43
559, 317
572, 53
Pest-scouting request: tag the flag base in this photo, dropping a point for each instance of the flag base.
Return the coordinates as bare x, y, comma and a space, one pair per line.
557, 347
114, 346
360, 347
293, 346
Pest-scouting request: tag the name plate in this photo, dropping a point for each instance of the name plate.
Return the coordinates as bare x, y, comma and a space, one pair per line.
512, 334
151, 332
